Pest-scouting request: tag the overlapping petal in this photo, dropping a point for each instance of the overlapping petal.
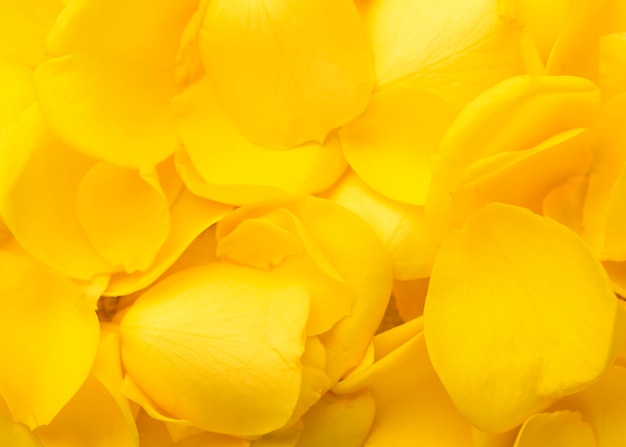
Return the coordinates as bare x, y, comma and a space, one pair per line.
518, 313
229, 351
49, 337
232, 169
563, 428
287, 72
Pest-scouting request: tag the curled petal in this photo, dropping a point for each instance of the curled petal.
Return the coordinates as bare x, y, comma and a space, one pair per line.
563, 428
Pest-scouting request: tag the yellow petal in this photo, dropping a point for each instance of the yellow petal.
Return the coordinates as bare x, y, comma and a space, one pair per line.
14, 434
124, 213
227, 341
412, 406
49, 337
287, 72
91, 417
566, 203
338, 421
142, 31
238, 171
361, 260
390, 145
189, 217
460, 48
23, 29
517, 114
402, 228
410, 297
518, 314
560, 429
612, 65
39, 178
108, 109
602, 405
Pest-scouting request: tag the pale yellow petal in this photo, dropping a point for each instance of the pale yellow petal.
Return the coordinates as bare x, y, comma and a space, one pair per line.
287, 72
220, 346
459, 49
495, 324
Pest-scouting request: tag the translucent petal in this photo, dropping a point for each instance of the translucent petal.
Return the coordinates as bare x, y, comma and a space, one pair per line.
238, 171
518, 314
287, 72
390, 145
561, 429
227, 341
402, 228
49, 337
460, 48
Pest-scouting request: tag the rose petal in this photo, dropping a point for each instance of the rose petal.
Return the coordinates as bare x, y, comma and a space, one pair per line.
287, 72
518, 314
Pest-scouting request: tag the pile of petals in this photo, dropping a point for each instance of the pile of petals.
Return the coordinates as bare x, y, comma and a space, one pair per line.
312, 223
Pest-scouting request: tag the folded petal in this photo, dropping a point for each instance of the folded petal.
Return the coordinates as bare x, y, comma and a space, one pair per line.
238, 171
49, 337
390, 145
108, 109
412, 406
39, 179
518, 314
287, 72
125, 214
220, 346
13, 433
560, 429
459, 49
189, 217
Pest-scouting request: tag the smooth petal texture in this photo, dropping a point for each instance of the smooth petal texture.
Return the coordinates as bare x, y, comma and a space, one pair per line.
517, 114
189, 217
460, 48
49, 337
402, 228
111, 111
612, 65
390, 145
412, 406
497, 359
561, 429
215, 325
15, 434
23, 29
141, 31
602, 405
125, 214
39, 178
238, 171
287, 72
338, 421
